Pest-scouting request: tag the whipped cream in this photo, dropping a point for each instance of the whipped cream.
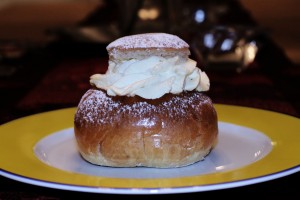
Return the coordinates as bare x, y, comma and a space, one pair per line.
151, 78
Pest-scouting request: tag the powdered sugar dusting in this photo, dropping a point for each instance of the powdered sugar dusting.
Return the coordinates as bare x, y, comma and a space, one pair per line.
96, 107
148, 40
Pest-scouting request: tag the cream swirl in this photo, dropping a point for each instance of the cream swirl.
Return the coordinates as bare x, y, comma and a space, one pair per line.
151, 78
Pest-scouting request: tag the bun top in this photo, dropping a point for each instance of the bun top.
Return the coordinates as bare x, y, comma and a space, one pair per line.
148, 40
157, 44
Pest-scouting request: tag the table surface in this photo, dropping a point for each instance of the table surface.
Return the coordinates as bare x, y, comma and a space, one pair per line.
44, 81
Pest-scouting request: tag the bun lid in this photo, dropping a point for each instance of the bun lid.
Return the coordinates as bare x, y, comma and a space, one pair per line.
148, 44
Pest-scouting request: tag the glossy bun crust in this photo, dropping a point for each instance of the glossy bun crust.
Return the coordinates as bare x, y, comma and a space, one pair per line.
121, 131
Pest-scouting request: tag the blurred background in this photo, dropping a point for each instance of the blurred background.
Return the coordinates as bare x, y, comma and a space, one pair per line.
250, 50
28, 23
48, 49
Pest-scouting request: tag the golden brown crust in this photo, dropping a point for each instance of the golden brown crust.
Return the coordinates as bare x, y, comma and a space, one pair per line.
172, 131
141, 46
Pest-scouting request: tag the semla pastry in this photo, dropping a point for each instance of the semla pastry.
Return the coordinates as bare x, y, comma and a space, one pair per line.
149, 108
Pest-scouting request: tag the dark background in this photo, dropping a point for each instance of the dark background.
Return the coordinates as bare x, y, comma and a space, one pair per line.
49, 50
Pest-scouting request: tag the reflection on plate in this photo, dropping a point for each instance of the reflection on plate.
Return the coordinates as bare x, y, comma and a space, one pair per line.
254, 146
238, 146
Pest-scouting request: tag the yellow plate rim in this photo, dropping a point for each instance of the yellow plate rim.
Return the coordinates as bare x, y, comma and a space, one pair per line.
19, 136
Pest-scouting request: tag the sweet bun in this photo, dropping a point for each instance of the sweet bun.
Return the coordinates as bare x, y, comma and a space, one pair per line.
172, 131
125, 129
144, 45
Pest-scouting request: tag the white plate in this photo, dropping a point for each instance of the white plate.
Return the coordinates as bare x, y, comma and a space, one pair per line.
254, 146
237, 147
